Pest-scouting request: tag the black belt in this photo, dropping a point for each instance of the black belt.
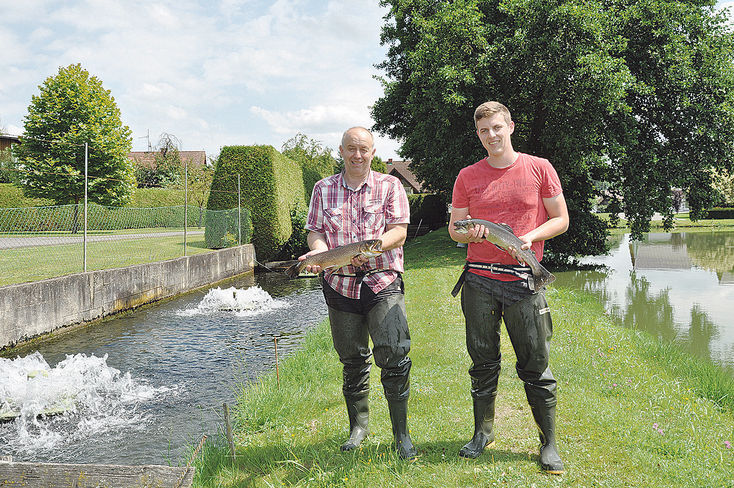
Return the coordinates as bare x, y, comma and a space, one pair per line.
522, 272
359, 273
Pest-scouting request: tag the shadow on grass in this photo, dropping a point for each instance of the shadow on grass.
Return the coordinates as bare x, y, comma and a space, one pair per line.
323, 462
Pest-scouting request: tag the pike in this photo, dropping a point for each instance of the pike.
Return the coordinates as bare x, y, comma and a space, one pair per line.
337, 257
502, 236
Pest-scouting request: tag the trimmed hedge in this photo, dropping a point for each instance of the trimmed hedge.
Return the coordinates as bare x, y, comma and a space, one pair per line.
720, 213
271, 186
428, 209
11, 196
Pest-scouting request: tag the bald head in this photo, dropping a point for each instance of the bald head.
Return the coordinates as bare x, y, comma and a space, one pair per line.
360, 133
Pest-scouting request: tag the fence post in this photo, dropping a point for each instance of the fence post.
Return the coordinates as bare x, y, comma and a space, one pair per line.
186, 201
239, 212
86, 178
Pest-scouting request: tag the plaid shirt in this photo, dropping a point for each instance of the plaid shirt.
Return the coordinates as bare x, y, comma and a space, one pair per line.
345, 215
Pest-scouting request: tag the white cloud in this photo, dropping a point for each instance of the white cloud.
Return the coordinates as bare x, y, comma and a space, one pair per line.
235, 72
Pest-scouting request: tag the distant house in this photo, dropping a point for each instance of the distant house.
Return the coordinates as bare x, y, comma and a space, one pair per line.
401, 170
147, 158
6, 141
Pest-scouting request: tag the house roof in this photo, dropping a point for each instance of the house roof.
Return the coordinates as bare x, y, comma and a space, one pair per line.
147, 158
401, 169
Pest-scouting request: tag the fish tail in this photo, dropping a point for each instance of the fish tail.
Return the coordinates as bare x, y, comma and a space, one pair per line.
294, 270
543, 277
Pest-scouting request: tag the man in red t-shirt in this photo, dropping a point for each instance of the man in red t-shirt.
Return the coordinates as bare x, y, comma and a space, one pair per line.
524, 192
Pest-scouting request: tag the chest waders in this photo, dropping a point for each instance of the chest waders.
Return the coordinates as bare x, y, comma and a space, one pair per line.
530, 329
382, 317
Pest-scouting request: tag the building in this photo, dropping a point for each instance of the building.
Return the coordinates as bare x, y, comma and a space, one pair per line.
401, 170
147, 158
6, 141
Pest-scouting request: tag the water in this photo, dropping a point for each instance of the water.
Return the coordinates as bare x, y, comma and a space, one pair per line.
141, 388
676, 286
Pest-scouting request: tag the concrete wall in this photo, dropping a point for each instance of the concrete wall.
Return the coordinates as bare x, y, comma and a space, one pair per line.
28, 310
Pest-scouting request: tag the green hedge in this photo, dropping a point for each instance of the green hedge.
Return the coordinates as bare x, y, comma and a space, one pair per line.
720, 213
429, 208
271, 186
12, 197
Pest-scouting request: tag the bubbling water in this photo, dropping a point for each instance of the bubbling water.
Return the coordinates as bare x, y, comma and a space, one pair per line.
244, 302
48, 408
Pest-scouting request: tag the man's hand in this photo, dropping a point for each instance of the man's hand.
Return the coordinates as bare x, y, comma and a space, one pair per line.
311, 268
477, 233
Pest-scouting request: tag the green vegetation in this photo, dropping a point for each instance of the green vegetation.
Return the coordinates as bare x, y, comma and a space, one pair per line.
19, 265
71, 110
271, 185
632, 411
12, 196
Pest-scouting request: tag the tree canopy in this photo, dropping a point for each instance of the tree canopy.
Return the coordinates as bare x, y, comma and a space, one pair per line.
635, 94
73, 108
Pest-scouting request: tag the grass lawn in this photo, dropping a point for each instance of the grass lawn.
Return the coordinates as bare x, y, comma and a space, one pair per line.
631, 411
23, 264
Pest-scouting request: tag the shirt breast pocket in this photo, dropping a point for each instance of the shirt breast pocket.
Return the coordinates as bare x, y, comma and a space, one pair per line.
333, 219
373, 217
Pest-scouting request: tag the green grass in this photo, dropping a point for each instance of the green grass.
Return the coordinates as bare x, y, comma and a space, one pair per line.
25, 264
632, 411
682, 221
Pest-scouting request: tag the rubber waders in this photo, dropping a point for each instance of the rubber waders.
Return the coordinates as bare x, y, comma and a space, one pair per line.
399, 418
358, 411
550, 460
483, 428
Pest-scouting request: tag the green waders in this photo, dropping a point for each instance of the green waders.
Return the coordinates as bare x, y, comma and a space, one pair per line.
386, 324
530, 329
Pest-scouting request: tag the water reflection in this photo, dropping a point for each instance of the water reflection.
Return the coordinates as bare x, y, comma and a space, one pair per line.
676, 286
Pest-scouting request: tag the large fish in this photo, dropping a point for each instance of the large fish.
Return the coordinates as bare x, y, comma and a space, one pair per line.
338, 256
502, 236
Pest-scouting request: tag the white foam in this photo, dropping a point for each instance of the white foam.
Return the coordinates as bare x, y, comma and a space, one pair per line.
244, 302
85, 394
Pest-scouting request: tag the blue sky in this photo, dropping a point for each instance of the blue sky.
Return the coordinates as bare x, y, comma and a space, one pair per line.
210, 73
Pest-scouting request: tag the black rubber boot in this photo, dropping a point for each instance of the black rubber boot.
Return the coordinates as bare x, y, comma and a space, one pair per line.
399, 418
550, 460
483, 428
358, 411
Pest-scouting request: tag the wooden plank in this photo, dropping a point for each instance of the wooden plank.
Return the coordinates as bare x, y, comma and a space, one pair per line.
47, 475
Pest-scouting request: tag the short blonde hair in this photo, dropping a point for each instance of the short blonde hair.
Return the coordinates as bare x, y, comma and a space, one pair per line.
488, 109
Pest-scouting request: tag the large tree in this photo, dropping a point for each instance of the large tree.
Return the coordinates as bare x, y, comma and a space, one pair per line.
73, 108
607, 90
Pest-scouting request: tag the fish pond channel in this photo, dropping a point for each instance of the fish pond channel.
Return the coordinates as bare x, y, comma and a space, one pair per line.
144, 387
678, 287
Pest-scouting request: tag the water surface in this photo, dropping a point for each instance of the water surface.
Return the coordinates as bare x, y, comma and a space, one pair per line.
677, 286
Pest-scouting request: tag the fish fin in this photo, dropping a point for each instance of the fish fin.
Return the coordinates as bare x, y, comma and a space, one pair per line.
294, 270
543, 278
507, 228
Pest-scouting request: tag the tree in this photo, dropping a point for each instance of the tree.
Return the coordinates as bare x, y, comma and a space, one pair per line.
588, 84
315, 159
199, 184
72, 109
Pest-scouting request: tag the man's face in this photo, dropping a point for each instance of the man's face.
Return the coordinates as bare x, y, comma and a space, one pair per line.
494, 132
357, 152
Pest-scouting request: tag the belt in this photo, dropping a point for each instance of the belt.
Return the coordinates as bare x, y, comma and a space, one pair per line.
522, 272
361, 274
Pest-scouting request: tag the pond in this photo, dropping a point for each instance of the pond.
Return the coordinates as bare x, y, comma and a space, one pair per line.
144, 386
678, 286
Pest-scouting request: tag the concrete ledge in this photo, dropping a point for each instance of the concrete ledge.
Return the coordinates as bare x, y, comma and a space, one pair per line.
28, 310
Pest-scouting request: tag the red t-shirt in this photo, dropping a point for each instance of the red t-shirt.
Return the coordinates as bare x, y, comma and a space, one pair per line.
512, 195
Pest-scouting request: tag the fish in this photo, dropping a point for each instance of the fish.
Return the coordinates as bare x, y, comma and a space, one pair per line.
337, 257
502, 236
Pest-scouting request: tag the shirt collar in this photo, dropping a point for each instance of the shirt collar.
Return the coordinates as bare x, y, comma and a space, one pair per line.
369, 182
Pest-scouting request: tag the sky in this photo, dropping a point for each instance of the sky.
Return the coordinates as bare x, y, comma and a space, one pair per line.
214, 73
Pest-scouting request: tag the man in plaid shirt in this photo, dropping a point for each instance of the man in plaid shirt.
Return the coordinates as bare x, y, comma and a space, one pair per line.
365, 299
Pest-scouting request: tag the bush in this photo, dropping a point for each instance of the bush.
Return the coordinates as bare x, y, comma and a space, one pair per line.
428, 210
271, 187
720, 213
11, 196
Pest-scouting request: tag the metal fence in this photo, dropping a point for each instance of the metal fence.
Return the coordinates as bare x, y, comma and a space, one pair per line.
45, 242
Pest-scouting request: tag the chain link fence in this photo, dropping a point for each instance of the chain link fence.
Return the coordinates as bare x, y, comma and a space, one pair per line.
45, 242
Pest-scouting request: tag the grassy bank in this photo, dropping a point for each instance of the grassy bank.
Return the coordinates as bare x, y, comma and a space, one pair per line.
632, 412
